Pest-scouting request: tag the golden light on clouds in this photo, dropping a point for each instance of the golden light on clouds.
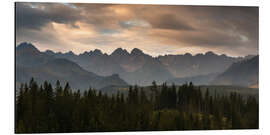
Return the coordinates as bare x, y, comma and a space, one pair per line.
155, 29
121, 11
69, 32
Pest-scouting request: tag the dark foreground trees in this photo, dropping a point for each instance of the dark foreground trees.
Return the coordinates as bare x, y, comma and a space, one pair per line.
42, 108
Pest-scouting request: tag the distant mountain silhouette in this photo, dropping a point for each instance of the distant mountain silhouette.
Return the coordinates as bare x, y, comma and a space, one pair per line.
30, 62
242, 73
139, 68
136, 67
200, 64
93, 61
28, 55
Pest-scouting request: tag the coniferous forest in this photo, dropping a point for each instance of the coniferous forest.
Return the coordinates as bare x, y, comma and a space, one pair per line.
44, 108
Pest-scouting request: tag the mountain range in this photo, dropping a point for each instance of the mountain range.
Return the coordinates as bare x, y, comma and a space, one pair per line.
129, 68
30, 62
139, 68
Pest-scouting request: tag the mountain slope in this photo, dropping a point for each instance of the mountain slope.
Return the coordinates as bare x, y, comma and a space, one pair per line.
139, 68
93, 61
201, 64
135, 67
242, 73
150, 71
28, 55
52, 69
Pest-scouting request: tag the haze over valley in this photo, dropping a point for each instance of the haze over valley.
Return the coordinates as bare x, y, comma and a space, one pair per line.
121, 68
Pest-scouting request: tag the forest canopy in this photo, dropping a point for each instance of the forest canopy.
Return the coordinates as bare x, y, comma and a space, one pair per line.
44, 109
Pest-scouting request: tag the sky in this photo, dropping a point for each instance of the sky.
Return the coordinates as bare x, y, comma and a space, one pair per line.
155, 29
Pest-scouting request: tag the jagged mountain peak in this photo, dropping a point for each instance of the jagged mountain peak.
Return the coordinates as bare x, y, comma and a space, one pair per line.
49, 52
223, 55
138, 65
96, 52
188, 54
120, 51
84, 53
25, 45
93, 52
210, 53
136, 51
43, 67
70, 53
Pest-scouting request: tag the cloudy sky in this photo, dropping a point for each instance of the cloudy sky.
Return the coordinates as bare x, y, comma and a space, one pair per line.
155, 29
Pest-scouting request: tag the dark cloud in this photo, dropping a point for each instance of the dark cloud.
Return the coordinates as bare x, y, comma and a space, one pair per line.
244, 20
170, 21
233, 29
36, 15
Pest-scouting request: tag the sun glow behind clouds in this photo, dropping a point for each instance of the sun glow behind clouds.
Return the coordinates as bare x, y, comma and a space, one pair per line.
122, 11
155, 29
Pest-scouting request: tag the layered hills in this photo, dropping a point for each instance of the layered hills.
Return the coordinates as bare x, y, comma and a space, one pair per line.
121, 68
30, 62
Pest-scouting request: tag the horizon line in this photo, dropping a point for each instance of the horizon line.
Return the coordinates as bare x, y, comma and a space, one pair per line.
130, 52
